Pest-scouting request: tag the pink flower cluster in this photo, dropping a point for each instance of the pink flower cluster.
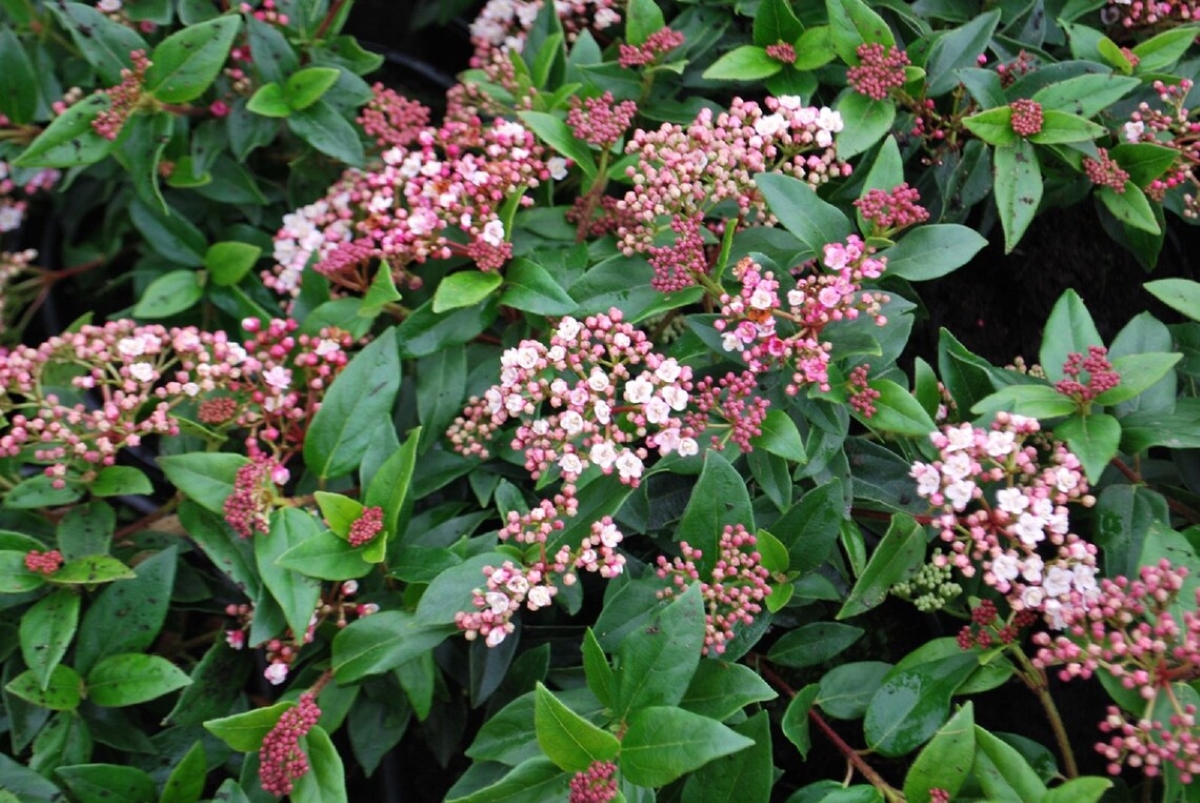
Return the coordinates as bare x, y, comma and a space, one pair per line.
600, 121
596, 784
1135, 630
503, 25
248, 507
734, 590
12, 265
782, 52
127, 382
1170, 127
1153, 14
657, 45
683, 173
890, 211
533, 586
1026, 117
46, 563
452, 179
123, 97
879, 71
267, 13
1002, 502
281, 759
366, 526
1100, 375
391, 119
12, 205
1105, 171
771, 327
862, 395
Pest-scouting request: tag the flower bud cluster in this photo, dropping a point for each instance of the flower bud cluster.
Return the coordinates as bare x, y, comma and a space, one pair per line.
1100, 375
596, 784
123, 98
684, 172
879, 70
1002, 503
503, 25
890, 211
931, 587
255, 492
650, 52
1026, 117
129, 381
451, 179
1153, 14
46, 563
771, 327
392, 119
1137, 631
783, 52
1170, 127
281, 759
1105, 171
987, 628
733, 591
862, 395
366, 526
600, 121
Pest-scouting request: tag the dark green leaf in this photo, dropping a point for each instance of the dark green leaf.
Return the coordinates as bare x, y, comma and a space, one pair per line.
70, 140
121, 481
656, 662
529, 287
18, 81
745, 63
465, 289
104, 783
104, 43
133, 678
1069, 330
187, 62
381, 642
1094, 440
852, 23
323, 127
801, 212
865, 121
719, 499
913, 703
663, 743
185, 784
205, 477
958, 49
1017, 182
169, 295
244, 732
746, 775
814, 643
569, 740
898, 555
642, 18
326, 781
1002, 772
1085, 95
946, 761
795, 719
810, 528
296, 594
63, 690
46, 631
719, 690
846, 690
228, 262
326, 557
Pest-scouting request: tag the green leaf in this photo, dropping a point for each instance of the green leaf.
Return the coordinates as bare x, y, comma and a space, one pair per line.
596, 669
656, 662
642, 18
425, 331
810, 528
852, 23
719, 690
91, 570
46, 631
170, 234
1181, 295
946, 761
121, 481
1138, 372
305, 87
1002, 773
801, 212
746, 775
39, 491
326, 557
104, 43
228, 262
338, 511
1130, 207
364, 392
719, 499
465, 289
745, 63
62, 691
187, 62
898, 411
814, 49
534, 780
383, 641
662, 743
775, 22
296, 594
993, 126
18, 80
169, 294
133, 678
127, 616
245, 732
322, 126
865, 122
1017, 183
930, 252
14, 577
913, 703
381, 292
1069, 329
70, 140
1094, 440
780, 436
958, 49
217, 681
894, 560
1035, 400
558, 135
1084, 95
1160, 53
847, 689
268, 101
795, 719
567, 739
529, 287
391, 484
205, 477
185, 784
1143, 161
103, 783
887, 171
814, 643
1063, 127
326, 781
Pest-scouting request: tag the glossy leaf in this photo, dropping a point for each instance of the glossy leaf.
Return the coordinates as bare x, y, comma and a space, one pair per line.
930, 252
801, 212
204, 477
381, 642
957, 49
228, 262
814, 643
244, 732
719, 689
852, 23
1002, 772
296, 594
656, 662
133, 678
865, 120
569, 740
186, 63
46, 631
912, 704
662, 743
465, 289
62, 691
305, 87
169, 295
326, 781
323, 127
946, 761
70, 140
102, 783
894, 560
1069, 329
795, 719
1017, 182
1094, 440
745, 63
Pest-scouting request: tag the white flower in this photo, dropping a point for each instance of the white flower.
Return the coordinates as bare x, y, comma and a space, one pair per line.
493, 233
959, 493
131, 346
770, 125
571, 464
1033, 597
731, 342
761, 299
237, 354
638, 391
790, 102
1029, 529
603, 454
1065, 479
610, 536
675, 396
278, 377
276, 673
142, 371
109, 6
602, 411
1053, 610
497, 601
999, 444
959, 438
568, 328
527, 357
539, 597
1012, 500
629, 465
829, 120
657, 411
1058, 581
557, 167
190, 388
668, 371
598, 380
1005, 567
495, 636
326, 348
1031, 569
688, 447
929, 481
517, 585
1134, 128
957, 467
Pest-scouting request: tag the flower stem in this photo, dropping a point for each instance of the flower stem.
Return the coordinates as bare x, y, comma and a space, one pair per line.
1035, 679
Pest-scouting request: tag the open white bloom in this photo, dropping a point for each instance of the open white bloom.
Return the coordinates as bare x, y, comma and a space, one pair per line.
142, 371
